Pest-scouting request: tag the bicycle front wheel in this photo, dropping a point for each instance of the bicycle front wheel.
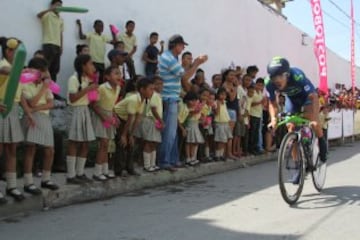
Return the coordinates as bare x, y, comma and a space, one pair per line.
291, 167
318, 172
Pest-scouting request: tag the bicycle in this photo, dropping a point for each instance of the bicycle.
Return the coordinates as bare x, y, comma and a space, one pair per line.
299, 155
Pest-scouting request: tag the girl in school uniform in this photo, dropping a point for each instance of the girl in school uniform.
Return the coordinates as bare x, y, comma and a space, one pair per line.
38, 130
10, 128
151, 126
223, 133
105, 122
191, 125
81, 130
206, 120
129, 111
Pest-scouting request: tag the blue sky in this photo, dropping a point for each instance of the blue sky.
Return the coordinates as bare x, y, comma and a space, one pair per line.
337, 25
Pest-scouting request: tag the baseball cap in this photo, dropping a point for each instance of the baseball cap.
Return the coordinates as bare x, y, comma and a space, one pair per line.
116, 52
177, 39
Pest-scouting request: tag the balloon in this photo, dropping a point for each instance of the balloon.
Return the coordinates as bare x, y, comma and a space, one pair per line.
28, 77
93, 96
54, 87
158, 124
114, 29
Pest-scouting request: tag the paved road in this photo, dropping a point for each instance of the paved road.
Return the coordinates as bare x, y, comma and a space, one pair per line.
242, 204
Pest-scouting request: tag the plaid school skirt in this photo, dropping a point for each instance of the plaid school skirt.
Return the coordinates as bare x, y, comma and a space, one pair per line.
10, 127
42, 133
193, 134
222, 132
80, 128
148, 130
99, 129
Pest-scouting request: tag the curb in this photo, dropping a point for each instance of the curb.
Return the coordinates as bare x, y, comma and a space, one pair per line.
74, 194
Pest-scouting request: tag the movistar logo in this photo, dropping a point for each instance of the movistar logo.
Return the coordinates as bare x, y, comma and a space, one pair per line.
298, 77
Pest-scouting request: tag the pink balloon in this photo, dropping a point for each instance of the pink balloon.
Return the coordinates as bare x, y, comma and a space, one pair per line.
93, 96
28, 77
114, 29
158, 124
54, 87
107, 124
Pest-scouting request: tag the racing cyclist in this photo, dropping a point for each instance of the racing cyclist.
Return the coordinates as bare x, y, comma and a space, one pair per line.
300, 94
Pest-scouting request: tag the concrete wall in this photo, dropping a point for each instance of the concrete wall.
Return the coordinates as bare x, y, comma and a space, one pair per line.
244, 32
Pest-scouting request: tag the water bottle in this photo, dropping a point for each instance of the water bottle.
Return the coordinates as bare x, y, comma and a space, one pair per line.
306, 135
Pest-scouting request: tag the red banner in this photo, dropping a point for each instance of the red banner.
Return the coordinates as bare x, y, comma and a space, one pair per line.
353, 68
319, 45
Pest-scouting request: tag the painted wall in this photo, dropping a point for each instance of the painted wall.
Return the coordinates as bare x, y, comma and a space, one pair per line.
244, 32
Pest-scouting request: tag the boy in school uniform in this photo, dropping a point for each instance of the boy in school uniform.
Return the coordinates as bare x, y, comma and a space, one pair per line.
52, 36
97, 45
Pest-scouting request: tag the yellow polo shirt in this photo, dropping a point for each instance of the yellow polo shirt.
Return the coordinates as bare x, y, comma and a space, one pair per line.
52, 28
108, 96
223, 116
73, 87
155, 101
4, 81
129, 41
256, 111
97, 46
30, 90
183, 112
206, 110
195, 117
130, 105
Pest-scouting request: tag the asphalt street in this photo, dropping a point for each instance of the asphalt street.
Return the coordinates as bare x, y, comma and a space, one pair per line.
241, 204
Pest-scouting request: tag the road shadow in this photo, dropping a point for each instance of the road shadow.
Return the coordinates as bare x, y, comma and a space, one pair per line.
140, 215
330, 197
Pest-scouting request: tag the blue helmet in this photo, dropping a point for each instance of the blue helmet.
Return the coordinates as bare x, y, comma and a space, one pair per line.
278, 66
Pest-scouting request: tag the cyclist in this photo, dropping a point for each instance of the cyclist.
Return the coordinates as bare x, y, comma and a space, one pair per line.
300, 94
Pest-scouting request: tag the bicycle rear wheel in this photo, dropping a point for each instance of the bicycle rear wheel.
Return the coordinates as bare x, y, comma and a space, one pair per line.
291, 167
319, 168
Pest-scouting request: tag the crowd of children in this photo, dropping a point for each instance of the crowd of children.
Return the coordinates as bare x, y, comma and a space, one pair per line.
114, 106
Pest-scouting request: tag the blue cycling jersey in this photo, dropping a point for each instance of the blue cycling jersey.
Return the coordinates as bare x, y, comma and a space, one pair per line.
297, 90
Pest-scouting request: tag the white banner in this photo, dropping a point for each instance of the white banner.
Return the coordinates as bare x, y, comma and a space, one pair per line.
357, 123
348, 123
335, 125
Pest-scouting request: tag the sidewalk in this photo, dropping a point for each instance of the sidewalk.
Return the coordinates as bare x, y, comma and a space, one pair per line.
75, 194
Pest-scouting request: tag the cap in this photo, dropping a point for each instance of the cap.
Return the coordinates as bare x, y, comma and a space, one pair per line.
177, 39
116, 52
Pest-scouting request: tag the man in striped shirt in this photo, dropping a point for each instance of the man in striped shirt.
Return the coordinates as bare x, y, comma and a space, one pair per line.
174, 78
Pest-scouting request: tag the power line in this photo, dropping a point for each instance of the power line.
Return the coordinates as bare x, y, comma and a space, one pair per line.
343, 11
336, 19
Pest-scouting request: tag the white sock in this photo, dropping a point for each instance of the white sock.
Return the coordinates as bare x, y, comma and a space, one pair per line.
188, 159
105, 168
147, 160
46, 176
207, 152
70, 165
28, 179
153, 159
11, 180
80, 166
222, 152
98, 170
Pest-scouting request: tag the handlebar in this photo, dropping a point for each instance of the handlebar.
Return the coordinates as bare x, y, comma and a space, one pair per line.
297, 119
